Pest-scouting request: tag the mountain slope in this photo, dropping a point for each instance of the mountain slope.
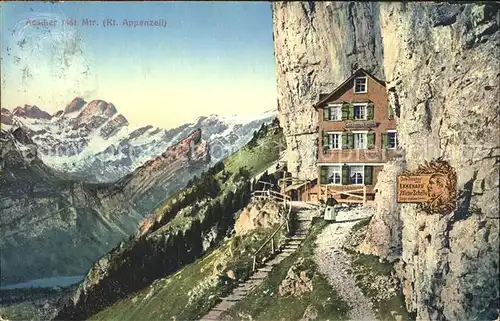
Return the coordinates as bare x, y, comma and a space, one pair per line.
184, 228
96, 143
52, 226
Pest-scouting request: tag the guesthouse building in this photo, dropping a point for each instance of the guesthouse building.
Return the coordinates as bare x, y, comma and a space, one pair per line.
357, 135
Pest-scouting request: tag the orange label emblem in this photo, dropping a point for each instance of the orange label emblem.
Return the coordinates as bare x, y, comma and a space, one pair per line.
432, 186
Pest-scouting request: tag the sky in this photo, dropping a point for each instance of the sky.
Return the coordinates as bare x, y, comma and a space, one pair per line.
210, 58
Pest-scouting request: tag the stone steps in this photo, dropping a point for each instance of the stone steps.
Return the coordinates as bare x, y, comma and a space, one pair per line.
290, 245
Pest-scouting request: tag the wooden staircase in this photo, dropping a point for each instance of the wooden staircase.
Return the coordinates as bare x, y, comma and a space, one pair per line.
259, 274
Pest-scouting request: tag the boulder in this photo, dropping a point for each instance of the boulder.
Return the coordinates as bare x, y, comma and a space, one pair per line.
258, 214
297, 281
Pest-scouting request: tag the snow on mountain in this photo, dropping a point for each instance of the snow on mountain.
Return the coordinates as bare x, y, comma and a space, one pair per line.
96, 143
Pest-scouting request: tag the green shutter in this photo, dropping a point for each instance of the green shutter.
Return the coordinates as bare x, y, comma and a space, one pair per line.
345, 111
385, 140
370, 110
350, 140
351, 111
326, 113
345, 144
345, 175
322, 175
368, 178
370, 140
391, 111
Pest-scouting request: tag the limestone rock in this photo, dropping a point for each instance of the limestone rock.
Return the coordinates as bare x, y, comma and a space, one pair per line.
230, 274
297, 281
444, 85
258, 214
6, 117
383, 237
75, 105
441, 65
28, 111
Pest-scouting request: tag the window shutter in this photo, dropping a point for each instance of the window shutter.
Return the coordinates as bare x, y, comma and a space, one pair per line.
351, 111
322, 175
370, 140
345, 144
345, 112
325, 142
345, 175
385, 140
326, 113
391, 112
350, 140
368, 178
370, 110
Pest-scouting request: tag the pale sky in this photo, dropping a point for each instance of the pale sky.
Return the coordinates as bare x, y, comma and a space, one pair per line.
210, 58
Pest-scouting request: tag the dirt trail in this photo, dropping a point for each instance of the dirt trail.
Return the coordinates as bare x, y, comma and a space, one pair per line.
333, 262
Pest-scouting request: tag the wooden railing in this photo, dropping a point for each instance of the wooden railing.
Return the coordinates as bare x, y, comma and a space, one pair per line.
325, 191
269, 194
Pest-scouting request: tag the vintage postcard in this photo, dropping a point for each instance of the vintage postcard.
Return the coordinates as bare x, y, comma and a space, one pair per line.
249, 160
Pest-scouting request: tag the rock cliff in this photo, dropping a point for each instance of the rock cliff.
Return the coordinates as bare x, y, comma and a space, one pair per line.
441, 65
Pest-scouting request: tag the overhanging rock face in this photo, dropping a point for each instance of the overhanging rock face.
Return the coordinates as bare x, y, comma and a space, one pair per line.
441, 66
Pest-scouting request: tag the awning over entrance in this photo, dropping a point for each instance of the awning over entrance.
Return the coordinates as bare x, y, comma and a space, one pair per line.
294, 186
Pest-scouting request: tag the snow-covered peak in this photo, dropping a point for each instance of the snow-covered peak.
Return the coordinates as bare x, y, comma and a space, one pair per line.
28, 111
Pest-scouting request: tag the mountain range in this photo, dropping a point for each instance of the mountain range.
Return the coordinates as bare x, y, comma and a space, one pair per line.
95, 143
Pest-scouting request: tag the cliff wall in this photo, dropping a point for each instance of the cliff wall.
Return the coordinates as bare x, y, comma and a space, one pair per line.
441, 65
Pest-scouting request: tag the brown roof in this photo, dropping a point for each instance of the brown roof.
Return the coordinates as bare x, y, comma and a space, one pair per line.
325, 97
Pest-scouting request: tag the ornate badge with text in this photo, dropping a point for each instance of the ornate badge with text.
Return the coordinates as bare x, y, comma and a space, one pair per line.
432, 186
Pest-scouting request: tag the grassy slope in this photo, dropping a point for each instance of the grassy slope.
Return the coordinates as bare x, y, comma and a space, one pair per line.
264, 303
366, 269
194, 289
257, 158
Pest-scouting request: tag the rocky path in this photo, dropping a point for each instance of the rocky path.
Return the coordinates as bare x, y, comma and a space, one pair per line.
334, 263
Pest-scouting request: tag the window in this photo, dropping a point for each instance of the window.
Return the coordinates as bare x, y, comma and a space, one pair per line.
331, 174
360, 85
392, 140
333, 112
346, 174
334, 175
359, 111
356, 174
334, 140
360, 140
